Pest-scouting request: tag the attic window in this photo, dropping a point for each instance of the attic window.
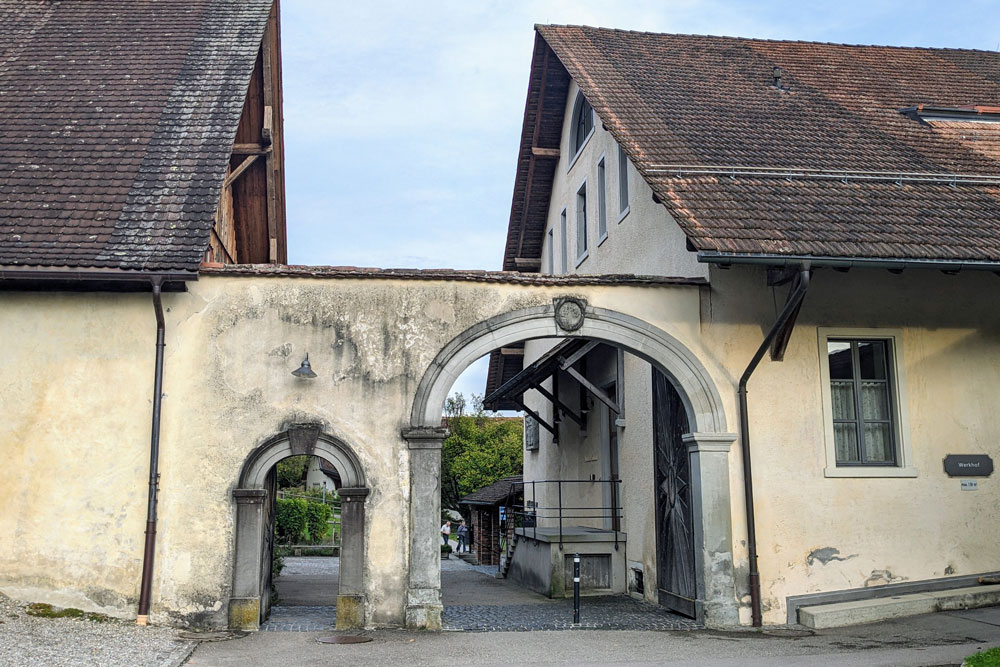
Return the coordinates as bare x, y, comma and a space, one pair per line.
583, 123
970, 112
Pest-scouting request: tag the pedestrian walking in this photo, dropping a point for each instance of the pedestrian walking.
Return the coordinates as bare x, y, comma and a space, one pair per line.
463, 538
446, 531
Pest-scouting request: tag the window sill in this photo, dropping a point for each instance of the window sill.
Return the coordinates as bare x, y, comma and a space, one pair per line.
602, 239
581, 259
623, 215
873, 471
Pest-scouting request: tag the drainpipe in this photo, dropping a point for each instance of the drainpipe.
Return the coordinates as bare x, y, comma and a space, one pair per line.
794, 301
146, 585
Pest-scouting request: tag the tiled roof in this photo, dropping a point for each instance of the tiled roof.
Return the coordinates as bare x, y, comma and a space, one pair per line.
824, 164
117, 120
493, 494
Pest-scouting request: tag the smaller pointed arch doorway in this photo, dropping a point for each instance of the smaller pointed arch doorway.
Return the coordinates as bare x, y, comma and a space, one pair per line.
254, 498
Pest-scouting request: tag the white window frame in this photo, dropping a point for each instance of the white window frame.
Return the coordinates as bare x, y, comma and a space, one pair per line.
904, 456
572, 131
550, 255
581, 224
602, 200
623, 202
563, 241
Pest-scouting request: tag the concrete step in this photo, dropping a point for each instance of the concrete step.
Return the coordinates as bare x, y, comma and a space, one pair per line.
840, 614
469, 558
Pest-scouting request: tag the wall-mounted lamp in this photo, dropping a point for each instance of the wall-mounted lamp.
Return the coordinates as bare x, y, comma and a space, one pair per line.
305, 370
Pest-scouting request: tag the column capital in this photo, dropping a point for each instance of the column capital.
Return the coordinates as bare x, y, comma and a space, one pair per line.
424, 437
709, 442
353, 494
249, 496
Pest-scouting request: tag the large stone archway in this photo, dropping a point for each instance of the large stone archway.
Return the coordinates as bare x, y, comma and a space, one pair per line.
251, 566
709, 443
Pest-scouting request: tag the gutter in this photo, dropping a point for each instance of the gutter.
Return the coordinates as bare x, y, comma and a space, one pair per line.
791, 307
713, 257
146, 584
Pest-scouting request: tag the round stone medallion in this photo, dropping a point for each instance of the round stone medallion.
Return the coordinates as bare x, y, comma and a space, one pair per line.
569, 314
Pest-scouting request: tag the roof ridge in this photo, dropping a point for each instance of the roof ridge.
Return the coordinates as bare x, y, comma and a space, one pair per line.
762, 39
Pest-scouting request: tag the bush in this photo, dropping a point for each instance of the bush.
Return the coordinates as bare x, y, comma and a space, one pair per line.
290, 520
446, 548
990, 658
317, 515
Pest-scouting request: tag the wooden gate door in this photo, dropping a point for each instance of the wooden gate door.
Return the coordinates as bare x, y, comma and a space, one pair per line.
674, 528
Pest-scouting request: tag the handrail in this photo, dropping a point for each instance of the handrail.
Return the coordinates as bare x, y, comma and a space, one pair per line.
528, 513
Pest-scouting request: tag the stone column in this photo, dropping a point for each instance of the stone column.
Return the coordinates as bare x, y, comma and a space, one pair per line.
351, 595
423, 597
244, 604
715, 605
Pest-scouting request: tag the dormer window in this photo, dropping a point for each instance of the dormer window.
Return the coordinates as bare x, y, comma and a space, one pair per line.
971, 112
583, 123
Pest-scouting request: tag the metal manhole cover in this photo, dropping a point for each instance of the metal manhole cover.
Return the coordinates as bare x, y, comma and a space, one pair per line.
344, 639
212, 636
789, 632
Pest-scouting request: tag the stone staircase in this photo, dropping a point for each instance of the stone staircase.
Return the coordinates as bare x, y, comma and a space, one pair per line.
469, 558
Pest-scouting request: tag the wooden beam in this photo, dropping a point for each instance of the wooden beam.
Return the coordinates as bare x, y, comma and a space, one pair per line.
266, 56
519, 403
559, 405
250, 149
529, 263
538, 151
512, 351
239, 170
579, 354
267, 132
593, 389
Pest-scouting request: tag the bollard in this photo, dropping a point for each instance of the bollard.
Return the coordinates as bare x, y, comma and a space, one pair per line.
576, 589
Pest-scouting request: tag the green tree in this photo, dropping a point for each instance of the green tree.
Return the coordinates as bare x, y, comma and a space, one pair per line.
481, 449
292, 471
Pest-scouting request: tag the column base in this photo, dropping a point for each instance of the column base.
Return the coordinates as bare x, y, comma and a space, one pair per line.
423, 616
350, 612
244, 614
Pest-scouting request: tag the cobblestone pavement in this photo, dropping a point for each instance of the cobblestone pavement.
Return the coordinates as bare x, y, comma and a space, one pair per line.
474, 600
596, 613
300, 619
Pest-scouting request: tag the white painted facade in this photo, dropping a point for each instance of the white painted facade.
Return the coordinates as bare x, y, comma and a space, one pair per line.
822, 527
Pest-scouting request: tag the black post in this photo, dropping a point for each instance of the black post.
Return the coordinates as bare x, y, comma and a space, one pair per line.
576, 589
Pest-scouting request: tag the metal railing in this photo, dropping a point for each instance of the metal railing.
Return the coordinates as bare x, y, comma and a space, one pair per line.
523, 510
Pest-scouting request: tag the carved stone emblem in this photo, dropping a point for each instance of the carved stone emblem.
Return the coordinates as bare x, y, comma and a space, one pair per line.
570, 313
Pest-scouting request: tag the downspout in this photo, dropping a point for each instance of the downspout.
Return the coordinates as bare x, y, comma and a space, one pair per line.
794, 301
146, 585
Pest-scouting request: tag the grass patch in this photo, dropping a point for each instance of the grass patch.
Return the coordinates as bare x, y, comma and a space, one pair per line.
990, 658
44, 610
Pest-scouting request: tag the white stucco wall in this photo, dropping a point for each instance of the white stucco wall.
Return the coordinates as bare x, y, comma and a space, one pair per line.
75, 404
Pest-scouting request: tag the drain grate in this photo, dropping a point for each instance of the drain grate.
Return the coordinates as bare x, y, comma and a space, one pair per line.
344, 639
212, 635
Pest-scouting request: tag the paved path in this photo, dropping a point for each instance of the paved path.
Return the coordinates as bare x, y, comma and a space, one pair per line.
473, 600
935, 639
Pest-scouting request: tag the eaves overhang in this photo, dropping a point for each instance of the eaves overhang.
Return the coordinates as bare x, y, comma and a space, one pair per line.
819, 261
75, 279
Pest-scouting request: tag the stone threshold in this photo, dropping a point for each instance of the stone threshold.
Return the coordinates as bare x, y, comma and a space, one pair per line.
840, 614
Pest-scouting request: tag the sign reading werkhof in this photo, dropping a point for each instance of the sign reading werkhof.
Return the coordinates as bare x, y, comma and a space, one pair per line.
968, 465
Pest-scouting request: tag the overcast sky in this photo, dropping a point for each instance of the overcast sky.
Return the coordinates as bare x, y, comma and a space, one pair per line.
402, 119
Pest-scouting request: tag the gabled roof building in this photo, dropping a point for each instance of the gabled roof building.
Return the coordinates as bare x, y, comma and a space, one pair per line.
841, 206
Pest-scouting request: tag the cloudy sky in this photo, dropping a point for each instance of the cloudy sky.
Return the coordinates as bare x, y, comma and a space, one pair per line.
402, 119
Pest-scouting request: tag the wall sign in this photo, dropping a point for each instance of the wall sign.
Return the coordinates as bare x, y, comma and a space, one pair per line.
968, 465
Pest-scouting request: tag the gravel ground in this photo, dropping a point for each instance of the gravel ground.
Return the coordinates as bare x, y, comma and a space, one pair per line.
69, 642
